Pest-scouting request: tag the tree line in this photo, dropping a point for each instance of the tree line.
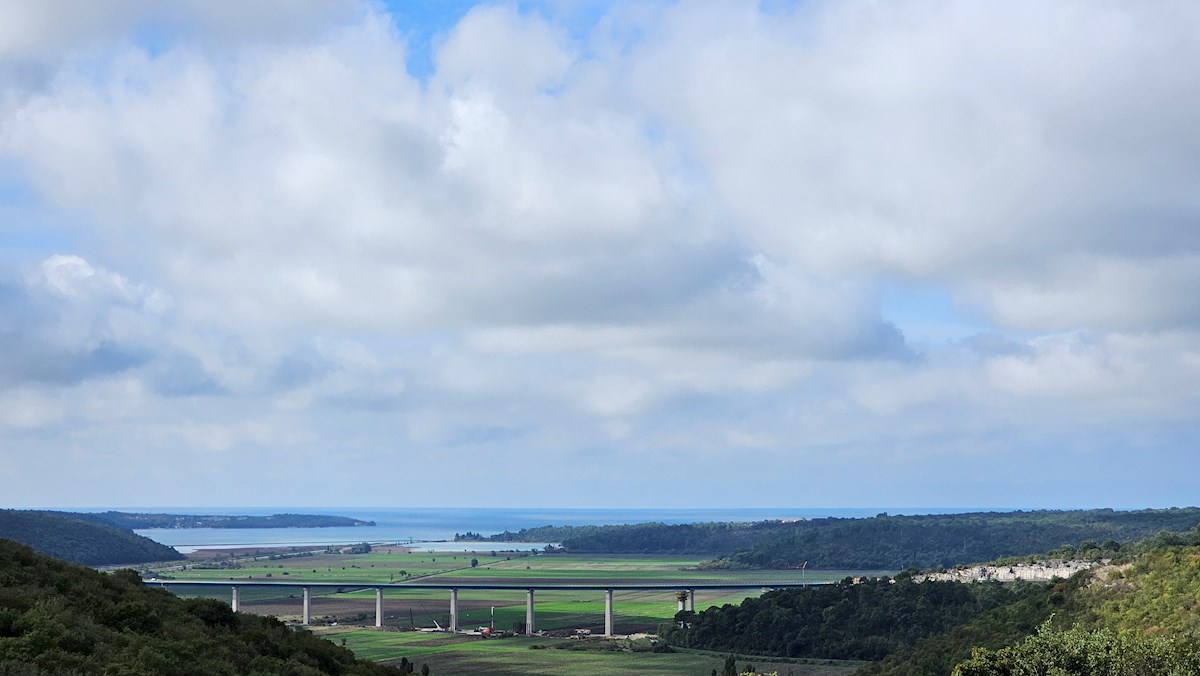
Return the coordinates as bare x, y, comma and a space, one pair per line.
883, 542
866, 620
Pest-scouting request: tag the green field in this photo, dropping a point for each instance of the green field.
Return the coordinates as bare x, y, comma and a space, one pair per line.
446, 654
556, 610
342, 614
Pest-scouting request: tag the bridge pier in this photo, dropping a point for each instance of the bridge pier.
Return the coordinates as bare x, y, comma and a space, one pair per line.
529, 629
608, 613
234, 603
379, 606
307, 616
681, 598
453, 610
691, 600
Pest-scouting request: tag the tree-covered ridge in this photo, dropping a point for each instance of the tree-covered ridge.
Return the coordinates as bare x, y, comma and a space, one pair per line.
883, 542
1158, 593
929, 541
59, 618
70, 537
997, 628
855, 621
644, 538
139, 520
1151, 590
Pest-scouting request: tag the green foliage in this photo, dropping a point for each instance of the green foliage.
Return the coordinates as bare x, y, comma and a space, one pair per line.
898, 542
1002, 626
863, 621
1155, 593
1158, 593
645, 538
59, 618
1084, 652
69, 536
881, 543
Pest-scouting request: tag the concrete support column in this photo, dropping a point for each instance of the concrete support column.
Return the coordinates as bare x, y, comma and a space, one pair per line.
529, 629
681, 599
379, 606
234, 603
608, 613
307, 617
453, 610
692, 600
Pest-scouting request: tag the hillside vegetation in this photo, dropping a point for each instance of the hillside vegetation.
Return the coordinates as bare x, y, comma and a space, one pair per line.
70, 537
59, 618
1145, 604
882, 543
1086, 652
643, 538
854, 621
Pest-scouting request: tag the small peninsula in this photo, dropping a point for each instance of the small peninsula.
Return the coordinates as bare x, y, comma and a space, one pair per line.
132, 520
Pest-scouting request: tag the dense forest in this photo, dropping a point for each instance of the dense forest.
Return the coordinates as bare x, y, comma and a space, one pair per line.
643, 538
852, 621
898, 542
882, 543
70, 537
1086, 652
134, 520
60, 618
1153, 591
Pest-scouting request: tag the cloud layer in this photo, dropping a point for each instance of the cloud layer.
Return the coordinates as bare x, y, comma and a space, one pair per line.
663, 240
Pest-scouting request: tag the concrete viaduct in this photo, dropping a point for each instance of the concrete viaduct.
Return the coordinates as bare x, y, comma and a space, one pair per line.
685, 594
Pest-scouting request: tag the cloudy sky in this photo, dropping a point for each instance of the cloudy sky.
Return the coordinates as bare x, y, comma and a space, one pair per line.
336, 252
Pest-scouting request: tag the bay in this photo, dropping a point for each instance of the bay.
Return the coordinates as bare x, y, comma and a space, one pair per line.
439, 525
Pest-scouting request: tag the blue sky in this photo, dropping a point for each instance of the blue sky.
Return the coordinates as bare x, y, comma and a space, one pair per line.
334, 252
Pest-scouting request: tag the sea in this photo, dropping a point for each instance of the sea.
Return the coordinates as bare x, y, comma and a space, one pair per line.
435, 528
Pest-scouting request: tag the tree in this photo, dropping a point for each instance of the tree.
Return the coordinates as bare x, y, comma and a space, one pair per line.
474, 562
1083, 652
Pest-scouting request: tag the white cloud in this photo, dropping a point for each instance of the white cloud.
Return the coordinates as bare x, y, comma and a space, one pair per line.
28, 409
500, 50
667, 235
972, 145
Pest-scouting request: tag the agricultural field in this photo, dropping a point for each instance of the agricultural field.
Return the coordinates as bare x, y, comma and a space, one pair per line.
396, 564
446, 654
349, 613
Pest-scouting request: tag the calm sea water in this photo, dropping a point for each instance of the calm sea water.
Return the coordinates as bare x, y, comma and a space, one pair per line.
441, 524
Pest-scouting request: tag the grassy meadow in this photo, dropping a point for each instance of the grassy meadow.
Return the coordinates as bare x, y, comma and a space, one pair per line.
468, 655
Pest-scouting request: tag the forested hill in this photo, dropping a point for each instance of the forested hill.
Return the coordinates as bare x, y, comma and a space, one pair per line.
928, 627
60, 618
882, 542
69, 537
137, 520
644, 538
898, 542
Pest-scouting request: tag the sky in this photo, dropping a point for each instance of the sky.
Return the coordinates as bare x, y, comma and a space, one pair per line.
599, 254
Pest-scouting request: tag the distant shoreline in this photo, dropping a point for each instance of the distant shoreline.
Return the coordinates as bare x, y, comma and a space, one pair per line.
144, 521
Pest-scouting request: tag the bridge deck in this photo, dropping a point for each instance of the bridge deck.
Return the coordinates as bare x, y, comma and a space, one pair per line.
682, 584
